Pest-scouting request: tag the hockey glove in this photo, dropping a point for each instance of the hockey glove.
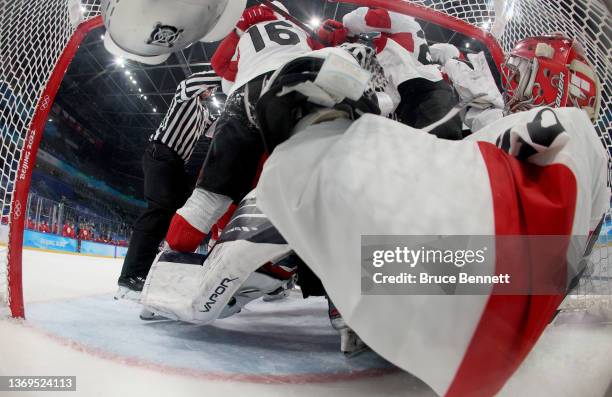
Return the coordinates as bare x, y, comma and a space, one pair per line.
254, 15
333, 32
222, 60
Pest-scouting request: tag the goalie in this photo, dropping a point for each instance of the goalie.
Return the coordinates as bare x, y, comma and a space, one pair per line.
539, 171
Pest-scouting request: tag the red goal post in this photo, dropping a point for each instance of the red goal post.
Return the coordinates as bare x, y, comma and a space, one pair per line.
27, 158
38, 43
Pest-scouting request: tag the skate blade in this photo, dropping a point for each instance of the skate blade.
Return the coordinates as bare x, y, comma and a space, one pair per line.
128, 294
276, 297
351, 344
148, 315
357, 352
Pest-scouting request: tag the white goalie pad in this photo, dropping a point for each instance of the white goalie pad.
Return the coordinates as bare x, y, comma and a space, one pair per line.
149, 31
197, 289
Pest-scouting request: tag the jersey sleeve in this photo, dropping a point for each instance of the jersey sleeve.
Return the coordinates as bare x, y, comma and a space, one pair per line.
196, 84
224, 61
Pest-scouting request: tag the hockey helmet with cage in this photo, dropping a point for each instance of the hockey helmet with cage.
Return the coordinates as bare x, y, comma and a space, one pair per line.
327, 78
148, 31
550, 71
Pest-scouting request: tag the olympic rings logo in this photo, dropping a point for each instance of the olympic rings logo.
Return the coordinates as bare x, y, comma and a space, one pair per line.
17, 210
45, 102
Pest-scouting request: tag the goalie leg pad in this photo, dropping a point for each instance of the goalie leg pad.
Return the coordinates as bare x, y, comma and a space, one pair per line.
172, 284
197, 288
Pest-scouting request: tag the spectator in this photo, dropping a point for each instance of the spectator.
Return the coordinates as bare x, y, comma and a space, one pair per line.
83, 232
68, 230
43, 227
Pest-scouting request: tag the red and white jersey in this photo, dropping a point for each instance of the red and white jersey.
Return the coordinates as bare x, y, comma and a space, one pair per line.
334, 182
402, 48
266, 46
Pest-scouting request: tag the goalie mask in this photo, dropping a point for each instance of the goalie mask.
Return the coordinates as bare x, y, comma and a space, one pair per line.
148, 31
550, 71
328, 78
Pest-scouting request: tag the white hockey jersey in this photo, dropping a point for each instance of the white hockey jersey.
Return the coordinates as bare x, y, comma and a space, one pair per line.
336, 181
402, 49
266, 46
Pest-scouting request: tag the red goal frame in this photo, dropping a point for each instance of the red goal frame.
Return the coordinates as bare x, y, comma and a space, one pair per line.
35, 132
26, 165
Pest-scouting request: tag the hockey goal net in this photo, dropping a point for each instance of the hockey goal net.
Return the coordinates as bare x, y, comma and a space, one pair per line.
38, 38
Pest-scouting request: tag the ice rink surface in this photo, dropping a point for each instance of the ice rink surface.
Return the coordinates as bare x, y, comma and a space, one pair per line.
287, 348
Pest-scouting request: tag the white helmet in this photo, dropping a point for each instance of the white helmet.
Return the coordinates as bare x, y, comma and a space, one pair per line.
148, 31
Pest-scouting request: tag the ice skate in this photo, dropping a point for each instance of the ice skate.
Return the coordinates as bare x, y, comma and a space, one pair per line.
130, 288
150, 315
281, 292
277, 295
350, 343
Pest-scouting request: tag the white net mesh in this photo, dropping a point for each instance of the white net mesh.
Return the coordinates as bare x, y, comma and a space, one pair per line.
588, 21
594, 291
33, 34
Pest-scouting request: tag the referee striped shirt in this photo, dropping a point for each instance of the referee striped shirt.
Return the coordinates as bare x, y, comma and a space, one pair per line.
187, 118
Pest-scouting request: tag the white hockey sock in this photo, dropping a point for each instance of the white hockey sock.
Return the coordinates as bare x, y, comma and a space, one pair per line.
204, 208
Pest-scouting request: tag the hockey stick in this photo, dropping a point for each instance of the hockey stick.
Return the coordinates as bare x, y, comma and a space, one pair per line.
296, 21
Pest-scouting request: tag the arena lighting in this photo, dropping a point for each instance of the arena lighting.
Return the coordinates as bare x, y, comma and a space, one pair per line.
128, 73
120, 61
154, 110
314, 22
101, 37
133, 81
139, 90
145, 97
467, 45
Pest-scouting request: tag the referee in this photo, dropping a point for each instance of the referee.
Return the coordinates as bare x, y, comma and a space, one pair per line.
167, 185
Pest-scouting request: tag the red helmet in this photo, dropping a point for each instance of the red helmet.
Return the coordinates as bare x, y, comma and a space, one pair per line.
550, 71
